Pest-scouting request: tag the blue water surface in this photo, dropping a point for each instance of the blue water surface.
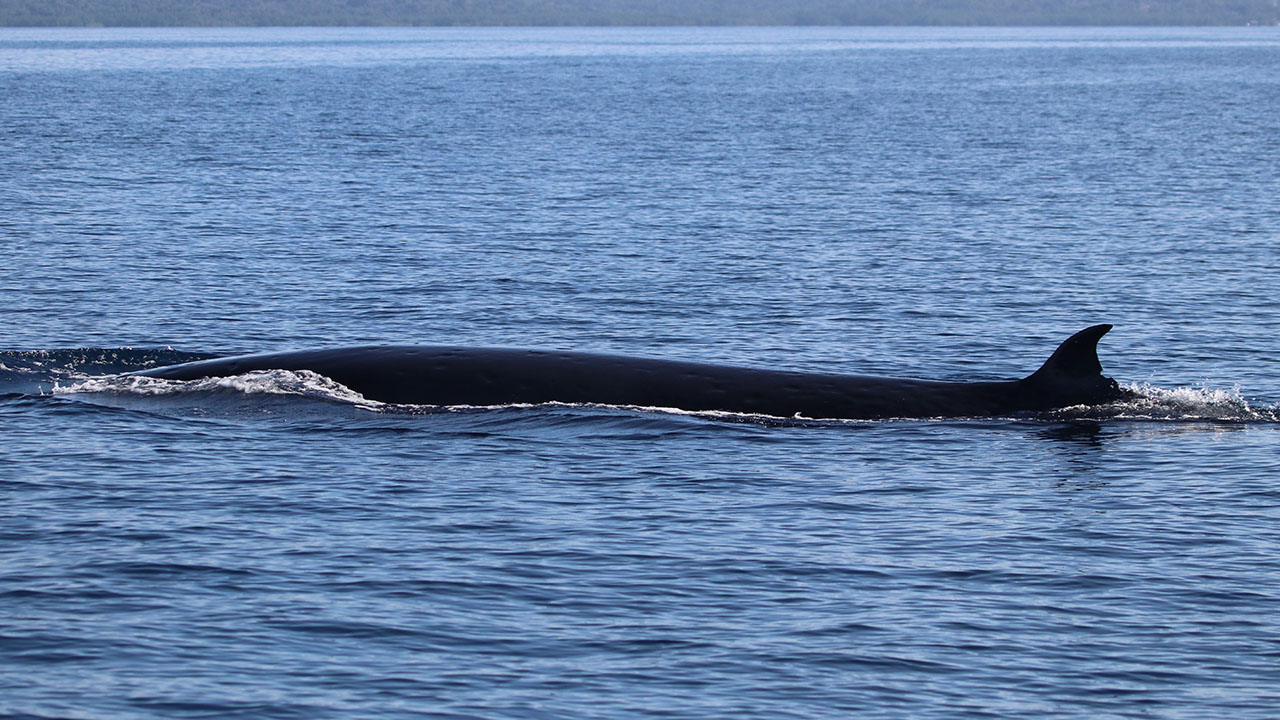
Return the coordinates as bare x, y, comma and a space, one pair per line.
938, 203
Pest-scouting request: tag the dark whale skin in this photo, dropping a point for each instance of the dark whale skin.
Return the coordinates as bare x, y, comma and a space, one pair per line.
445, 375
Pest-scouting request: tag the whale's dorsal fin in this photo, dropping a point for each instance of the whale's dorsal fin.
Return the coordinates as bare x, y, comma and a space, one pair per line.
1076, 357
1072, 375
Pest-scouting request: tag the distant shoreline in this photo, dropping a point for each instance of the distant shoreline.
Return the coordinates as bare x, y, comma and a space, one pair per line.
635, 13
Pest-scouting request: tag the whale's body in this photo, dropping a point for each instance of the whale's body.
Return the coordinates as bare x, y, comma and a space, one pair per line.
442, 375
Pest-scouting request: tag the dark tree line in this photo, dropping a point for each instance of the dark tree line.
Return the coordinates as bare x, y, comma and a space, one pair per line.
635, 12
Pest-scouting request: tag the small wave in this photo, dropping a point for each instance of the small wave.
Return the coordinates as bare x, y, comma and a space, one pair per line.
311, 385
723, 415
303, 383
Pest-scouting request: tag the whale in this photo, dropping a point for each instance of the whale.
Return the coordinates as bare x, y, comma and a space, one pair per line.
490, 376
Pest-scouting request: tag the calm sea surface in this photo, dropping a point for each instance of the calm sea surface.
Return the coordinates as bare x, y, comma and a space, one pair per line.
942, 203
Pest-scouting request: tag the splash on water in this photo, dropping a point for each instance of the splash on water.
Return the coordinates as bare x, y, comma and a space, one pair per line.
37, 372
1203, 403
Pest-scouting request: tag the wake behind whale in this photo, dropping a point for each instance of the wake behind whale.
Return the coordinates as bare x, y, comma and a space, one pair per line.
447, 375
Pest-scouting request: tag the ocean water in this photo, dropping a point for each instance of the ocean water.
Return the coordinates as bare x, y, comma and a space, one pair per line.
936, 203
